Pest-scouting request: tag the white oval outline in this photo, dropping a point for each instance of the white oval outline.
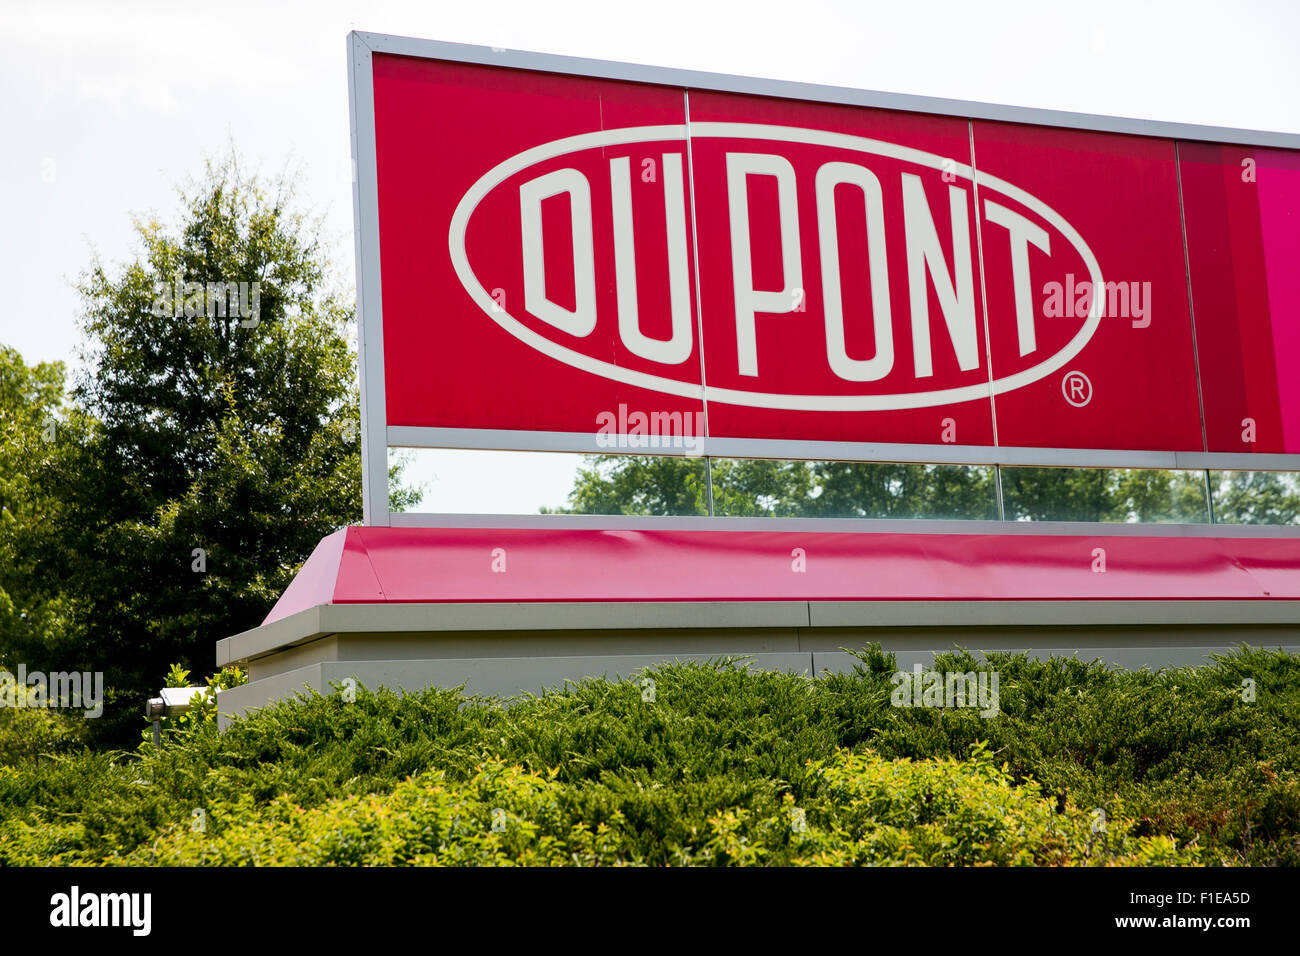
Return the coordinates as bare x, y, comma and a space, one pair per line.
788, 134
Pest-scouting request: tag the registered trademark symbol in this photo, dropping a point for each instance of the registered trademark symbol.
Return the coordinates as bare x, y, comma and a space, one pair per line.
1077, 389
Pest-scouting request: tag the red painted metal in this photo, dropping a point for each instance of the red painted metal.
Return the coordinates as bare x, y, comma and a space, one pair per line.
1243, 242
423, 565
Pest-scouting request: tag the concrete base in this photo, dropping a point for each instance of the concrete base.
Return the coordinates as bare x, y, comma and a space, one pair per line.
504, 650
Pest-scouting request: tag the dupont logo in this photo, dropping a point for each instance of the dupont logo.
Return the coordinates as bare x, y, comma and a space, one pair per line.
836, 272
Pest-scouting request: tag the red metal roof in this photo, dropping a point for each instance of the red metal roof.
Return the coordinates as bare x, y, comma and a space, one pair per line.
429, 565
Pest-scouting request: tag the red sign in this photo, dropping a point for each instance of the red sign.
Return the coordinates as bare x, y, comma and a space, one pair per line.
582, 255
1243, 245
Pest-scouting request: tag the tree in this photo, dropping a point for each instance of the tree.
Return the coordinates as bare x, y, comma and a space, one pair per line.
616, 484
650, 485
221, 444
1101, 494
613, 484
1256, 497
36, 431
869, 490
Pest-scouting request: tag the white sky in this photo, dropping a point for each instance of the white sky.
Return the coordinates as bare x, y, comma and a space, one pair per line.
104, 106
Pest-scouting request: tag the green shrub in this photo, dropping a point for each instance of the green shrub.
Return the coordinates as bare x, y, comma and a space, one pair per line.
868, 811
500, 816
1183, 766
865, 811
29, 732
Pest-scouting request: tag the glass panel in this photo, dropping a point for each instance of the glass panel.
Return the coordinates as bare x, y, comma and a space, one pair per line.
1256, 497
637, 485
836, 489
460, 481
469, 481
1104, 494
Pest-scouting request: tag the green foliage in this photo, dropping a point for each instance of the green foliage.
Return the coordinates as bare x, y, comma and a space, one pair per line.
648, 485
31, 731
861, 490
622, 484
204, 705
712, 771
38, 431
1256, 497
501, 815
616, 484
863, 810
203, 457
1100, 494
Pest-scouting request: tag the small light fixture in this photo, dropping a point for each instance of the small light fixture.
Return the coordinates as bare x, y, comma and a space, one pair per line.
171, 701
